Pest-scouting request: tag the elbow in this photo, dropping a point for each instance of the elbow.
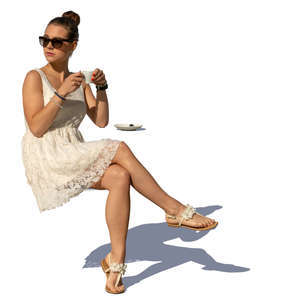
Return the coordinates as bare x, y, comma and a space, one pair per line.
102, 125
35, 130
36, 133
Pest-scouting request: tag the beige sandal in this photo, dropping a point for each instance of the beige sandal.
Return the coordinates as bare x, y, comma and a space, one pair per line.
113, 267
188, 214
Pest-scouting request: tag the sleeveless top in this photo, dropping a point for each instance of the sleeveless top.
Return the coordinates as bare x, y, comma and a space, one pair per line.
61, 164
69, 117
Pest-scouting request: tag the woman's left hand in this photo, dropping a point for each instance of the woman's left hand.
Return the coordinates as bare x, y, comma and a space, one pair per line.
98, 77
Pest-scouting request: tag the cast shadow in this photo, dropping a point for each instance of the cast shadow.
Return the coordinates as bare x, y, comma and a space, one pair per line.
146, 243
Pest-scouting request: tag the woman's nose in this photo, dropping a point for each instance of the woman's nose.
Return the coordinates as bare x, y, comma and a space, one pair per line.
50, 47
50, 43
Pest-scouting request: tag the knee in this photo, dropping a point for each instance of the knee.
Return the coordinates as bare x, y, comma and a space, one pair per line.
124, 150
120, 176
123, 145
124, 154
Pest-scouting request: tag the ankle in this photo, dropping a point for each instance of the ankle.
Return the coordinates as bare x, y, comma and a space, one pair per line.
118, 257
175, 208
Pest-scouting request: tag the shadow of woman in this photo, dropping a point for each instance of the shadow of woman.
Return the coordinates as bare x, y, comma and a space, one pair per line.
146, 243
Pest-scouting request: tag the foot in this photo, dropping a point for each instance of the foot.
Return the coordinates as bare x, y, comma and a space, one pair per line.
112, 277
197, 220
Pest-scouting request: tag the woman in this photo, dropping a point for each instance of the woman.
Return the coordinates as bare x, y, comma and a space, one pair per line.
60, 164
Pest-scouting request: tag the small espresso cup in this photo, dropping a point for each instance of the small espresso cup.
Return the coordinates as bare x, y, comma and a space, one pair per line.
87, 76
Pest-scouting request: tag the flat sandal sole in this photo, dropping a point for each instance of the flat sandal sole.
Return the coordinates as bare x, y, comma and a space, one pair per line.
194, 228
111, 292
105, 266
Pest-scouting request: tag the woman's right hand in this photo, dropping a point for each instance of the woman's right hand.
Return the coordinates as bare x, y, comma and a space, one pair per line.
70, 84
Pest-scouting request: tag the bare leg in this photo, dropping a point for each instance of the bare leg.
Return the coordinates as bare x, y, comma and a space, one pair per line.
117, 212
144, 183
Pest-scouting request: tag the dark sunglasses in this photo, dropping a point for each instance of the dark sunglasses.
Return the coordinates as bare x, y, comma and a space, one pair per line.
56, 43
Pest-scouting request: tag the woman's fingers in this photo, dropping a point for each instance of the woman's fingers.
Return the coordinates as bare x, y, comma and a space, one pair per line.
97, 72
77, 81
97, 76
100, 79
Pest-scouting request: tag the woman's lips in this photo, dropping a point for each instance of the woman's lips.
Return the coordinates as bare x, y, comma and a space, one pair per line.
49, 53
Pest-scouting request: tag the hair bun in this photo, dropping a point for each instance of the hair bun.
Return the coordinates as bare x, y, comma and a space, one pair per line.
72, 15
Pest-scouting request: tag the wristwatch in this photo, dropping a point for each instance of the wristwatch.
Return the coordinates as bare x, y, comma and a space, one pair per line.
101, 87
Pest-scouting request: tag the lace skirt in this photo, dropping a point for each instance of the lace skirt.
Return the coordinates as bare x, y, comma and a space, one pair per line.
60, 165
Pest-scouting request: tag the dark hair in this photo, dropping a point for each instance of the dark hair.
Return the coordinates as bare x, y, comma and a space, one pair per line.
70, 21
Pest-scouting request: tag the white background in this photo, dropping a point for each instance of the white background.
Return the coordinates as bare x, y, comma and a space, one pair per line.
216, 86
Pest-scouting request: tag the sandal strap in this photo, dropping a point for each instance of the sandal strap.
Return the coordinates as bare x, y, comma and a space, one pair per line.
117, 267
114, 267
170, 216
121, 268
187, 213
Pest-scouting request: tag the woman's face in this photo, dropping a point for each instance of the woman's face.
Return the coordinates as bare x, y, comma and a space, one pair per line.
62, 53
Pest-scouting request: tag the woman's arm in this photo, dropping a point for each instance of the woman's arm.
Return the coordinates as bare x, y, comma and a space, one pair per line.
97, 108
38, 117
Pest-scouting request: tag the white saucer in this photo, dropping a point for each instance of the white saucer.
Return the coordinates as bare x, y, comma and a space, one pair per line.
127, 126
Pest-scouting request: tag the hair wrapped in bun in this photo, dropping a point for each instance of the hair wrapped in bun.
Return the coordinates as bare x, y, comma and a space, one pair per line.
72, 15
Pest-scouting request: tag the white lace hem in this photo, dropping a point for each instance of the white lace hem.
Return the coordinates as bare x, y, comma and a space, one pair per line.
51, 198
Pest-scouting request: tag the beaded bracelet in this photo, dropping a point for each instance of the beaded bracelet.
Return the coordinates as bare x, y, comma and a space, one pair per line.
61, 97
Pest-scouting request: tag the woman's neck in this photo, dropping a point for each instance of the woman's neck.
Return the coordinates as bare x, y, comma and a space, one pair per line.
57, 70
60, 72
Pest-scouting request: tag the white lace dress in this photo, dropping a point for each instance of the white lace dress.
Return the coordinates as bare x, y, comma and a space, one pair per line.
61, 164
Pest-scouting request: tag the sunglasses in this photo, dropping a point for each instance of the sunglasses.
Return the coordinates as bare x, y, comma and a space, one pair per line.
56, 43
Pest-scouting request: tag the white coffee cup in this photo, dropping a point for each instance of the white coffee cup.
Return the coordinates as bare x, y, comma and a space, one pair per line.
87, 75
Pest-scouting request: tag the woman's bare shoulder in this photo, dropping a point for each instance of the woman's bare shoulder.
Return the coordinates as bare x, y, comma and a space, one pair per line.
33, 77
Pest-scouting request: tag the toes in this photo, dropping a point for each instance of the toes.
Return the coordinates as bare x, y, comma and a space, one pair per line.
111, 285
203, 222
206, 223
120, 288
116, 288
211, 221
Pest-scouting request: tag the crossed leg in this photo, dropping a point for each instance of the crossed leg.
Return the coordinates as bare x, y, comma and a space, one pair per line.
125, 170
140, 179
145, 184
